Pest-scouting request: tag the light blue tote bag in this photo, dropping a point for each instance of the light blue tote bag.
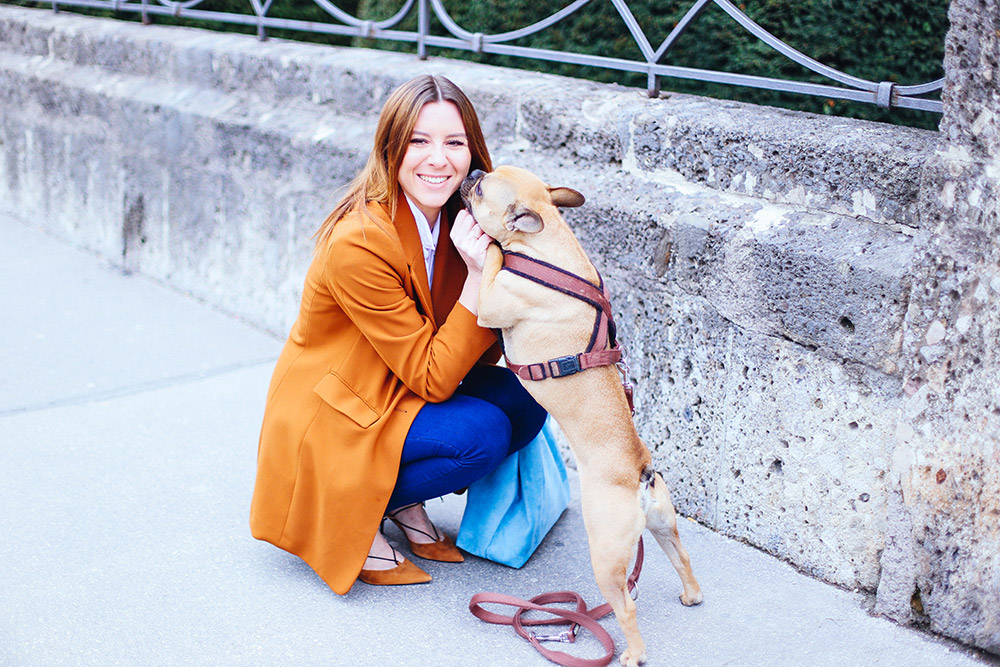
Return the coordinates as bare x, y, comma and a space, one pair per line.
510, 511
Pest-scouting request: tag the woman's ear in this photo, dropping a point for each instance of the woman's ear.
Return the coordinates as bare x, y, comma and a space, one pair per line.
566, 197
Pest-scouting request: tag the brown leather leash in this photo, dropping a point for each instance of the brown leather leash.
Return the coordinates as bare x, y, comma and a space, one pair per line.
603, 348
581, 617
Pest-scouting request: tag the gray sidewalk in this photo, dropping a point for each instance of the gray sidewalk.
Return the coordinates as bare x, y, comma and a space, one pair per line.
128, 438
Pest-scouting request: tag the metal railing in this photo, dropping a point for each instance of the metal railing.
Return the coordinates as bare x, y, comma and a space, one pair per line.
885, 94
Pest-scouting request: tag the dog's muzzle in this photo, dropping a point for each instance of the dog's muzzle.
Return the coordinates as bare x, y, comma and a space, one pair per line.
471, 181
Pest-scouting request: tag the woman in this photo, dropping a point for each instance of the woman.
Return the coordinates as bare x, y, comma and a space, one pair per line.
385, 394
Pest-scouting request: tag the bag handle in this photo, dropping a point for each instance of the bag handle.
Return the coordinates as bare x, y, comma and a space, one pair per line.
580, 617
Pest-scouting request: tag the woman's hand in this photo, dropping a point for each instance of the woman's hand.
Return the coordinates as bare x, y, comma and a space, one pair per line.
471, 241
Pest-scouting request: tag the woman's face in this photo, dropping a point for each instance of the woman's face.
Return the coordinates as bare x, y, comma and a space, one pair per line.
437, 159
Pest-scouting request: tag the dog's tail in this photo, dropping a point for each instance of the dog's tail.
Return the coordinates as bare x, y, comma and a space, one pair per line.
647, 484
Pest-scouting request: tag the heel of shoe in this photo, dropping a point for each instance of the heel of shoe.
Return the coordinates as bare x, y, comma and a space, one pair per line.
442, 549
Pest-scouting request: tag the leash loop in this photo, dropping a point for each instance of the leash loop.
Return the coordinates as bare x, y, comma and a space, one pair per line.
576, 618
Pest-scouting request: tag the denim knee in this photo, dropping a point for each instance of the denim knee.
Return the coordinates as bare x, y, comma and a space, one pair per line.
491, 441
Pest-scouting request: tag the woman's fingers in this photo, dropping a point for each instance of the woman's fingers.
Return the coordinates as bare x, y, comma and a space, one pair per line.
470, 240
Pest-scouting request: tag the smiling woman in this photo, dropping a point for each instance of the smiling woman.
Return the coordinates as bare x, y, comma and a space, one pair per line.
386, 393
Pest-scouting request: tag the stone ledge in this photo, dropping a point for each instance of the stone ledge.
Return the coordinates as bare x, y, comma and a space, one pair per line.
839, 166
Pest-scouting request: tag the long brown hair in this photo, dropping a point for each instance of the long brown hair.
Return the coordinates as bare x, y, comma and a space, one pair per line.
379, 180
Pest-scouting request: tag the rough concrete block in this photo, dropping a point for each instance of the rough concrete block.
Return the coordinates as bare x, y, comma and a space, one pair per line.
679, 349
864, 170
808, 442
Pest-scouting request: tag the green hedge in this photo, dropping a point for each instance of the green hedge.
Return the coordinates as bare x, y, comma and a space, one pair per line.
894, 40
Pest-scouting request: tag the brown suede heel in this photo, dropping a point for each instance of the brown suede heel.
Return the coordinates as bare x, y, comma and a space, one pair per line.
404, 573
442, 549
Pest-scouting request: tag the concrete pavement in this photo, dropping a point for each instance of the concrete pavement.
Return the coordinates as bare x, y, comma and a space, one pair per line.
128, 433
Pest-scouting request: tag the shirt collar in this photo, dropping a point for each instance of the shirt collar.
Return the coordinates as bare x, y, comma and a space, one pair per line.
428, 237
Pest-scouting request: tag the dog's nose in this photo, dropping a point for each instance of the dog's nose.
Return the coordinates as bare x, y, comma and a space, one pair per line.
470, 180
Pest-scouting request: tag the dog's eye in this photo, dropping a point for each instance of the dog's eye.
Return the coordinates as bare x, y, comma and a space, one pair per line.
479, 189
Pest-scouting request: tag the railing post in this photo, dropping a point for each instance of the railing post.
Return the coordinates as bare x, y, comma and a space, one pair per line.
423, 28
145, 14
653, 84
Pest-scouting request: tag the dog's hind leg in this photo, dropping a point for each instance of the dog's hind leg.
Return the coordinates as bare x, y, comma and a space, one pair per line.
612, 541
661, 520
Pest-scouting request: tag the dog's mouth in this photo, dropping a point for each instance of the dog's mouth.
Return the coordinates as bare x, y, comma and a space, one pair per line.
471, 187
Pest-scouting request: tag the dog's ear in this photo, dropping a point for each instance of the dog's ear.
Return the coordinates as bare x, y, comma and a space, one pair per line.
566, 197
524, 220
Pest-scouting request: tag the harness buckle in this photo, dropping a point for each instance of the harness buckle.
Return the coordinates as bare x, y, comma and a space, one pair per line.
565, 365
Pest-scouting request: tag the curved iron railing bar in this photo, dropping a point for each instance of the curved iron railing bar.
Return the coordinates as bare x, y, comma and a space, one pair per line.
258, 9
346, 18
456, 30
633, 27
261, 12
693, 13
674, 71
797, 56
180, 5
922, 88
885, 94
247, 19
653, 57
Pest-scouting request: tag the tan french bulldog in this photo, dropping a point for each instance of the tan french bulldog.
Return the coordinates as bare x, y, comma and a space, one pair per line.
620, 494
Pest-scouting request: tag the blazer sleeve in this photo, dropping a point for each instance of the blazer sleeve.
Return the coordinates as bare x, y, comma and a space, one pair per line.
371, 280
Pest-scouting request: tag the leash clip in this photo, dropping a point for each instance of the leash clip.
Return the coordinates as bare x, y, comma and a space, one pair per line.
624, 371
567, 637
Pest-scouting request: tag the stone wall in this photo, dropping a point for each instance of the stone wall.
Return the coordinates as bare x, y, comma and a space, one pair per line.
942, 561
809, 302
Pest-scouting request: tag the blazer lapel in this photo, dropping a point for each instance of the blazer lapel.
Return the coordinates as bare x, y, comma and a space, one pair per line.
413, 251
449, 272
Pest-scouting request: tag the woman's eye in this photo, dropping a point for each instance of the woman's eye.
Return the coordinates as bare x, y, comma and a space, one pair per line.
458, 143
418, 141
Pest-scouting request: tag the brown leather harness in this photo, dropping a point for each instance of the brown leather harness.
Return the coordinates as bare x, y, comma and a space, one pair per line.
603, 348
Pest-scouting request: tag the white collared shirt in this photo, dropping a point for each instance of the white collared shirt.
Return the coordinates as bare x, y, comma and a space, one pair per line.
428, 237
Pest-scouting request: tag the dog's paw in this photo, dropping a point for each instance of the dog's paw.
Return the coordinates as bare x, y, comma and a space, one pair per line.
629, 660
691, 600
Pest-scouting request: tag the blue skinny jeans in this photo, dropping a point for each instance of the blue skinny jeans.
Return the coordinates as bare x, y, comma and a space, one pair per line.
453, 443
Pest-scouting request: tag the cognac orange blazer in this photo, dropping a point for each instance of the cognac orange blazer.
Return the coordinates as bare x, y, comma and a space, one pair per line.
372, 345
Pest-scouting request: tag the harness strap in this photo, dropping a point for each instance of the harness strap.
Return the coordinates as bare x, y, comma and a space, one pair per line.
570, 284
562, 366
579, 617
599, 352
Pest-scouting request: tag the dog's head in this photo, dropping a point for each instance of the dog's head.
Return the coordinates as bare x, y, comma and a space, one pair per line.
509, 201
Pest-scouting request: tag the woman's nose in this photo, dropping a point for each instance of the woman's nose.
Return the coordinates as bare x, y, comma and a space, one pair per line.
437, 154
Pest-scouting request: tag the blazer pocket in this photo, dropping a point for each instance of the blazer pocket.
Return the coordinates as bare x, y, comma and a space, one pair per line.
345, 400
